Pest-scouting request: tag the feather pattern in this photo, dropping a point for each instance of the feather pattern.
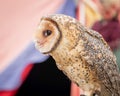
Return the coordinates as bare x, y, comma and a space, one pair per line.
82, 54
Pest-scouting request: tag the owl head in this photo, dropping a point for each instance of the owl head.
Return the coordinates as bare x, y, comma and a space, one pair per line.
53, 29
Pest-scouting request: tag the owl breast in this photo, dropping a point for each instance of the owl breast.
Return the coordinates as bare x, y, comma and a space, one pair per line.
76, 69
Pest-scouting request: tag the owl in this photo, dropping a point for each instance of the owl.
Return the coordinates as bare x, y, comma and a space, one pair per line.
81, 53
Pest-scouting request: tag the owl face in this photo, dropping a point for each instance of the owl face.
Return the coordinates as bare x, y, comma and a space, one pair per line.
47, 36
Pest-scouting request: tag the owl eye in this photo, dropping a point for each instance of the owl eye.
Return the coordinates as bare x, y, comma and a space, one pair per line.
47, 33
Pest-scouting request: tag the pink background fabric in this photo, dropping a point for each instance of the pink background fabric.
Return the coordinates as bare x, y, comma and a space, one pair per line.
18, 21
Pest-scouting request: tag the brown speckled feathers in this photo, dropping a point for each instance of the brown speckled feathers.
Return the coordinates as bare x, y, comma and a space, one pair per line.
82, 54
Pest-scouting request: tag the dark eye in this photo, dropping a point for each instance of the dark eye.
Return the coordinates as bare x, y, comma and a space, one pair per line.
47, 33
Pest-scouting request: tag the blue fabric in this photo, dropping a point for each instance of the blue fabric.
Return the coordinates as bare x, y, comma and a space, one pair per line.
10, 78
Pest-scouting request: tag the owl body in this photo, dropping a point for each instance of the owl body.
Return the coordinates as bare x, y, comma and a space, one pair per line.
81, 53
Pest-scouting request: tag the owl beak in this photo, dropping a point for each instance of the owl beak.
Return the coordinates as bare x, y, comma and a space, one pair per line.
39, 43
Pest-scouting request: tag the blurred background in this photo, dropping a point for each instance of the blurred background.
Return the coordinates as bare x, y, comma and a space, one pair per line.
26, 72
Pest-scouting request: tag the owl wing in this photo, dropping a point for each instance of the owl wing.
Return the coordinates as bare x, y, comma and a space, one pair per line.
99, 57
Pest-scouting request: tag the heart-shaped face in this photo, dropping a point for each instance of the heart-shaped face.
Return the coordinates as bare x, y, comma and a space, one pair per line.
46, 36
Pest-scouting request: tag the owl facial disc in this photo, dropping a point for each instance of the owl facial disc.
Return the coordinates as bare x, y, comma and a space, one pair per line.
47, 35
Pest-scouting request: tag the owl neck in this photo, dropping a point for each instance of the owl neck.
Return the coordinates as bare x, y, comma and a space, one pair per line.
61, 56
63, 53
